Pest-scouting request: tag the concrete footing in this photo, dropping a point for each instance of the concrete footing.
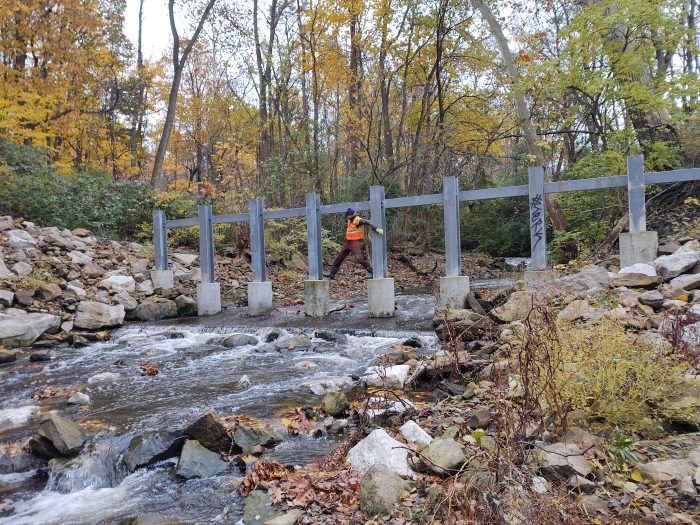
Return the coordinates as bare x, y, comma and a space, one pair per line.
164, 279
208, 298
638, 247
316, 298
536, 278
259, 298
453, 292
380, 297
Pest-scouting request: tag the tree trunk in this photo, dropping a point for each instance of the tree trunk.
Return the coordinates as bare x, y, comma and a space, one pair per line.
137, 117
553, 209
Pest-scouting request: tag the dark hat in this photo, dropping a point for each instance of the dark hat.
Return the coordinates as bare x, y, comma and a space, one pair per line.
349, 212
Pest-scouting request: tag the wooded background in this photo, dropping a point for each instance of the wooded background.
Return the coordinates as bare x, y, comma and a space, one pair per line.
281, 97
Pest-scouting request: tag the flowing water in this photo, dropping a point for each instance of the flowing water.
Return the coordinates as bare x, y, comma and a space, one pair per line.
196, 374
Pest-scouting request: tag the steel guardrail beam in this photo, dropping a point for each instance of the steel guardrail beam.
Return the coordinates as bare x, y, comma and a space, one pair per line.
181, 223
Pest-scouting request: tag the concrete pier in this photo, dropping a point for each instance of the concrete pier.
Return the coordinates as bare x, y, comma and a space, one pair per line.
638, 247
453, 292
208, 298
316, 298
380, 297
259, 298
164, 279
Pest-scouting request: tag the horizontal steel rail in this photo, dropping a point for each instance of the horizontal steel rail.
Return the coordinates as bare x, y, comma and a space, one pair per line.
285, 214
419, 200
181, 223
230, 218
668, 177
494, 193
598, 183
327, 209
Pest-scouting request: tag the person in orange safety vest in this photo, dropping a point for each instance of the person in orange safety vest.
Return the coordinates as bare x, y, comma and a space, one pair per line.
354, 235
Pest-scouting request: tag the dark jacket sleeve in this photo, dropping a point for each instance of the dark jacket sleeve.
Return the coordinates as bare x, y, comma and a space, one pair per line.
365, 222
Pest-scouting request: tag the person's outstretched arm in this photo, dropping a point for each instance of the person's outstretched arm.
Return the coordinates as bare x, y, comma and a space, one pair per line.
377, 229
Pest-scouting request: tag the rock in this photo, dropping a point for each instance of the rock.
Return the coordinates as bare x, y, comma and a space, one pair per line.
25, 296
92, 315
686, 488
666, 470
380, 448
589, 278
244, 382
119, 282
334, 403
7, 357
236, 340
11, 418
640, 268
41, 355
288, 518
290, 343
23, 329
320, 387
670, 266
634, 280
48, 292
580, 309
79, 398
412, 431
79, 258
104, 377
151, 447
258, 508
563, 460
581, 484
146, 287
248, 435
516, 308
652, 298
689, 281
76, 290
4, 270
123, 298
20, 239
198, 462
593, 503
443, 455
186, 306
331, 336
7, 298
690, 246
156, 309
56, 437
389, 377
380, 490
480, 419
188, 259
210, 431
585, 440
22, 268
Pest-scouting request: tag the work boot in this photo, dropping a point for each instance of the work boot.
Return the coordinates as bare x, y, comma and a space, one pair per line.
370, 272
331, 275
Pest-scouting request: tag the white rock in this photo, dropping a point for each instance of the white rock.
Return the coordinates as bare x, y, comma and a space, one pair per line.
93, 315
145, 287
16, 417
22, 268
380, 448
670, 266
79, 398
105, 377
690, 246
19, 239
688, 281
188, 259
392, 376
330, 384
4, 270
124, 299
78, 291
6, 297
644, 269
23, 330
119, 282
413, 432
79, 257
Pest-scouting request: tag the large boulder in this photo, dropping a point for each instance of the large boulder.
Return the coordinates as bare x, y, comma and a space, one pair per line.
186, 306
670, 266
20, 239
516, 308
589, 278
320, 387
156, 309
443, 456
57, 437
151, 447
198, 462
259, 509
92, 315
123, 298
22, 329
666, 470
211, 432
380, 490
380, 448
236, 340
560, 461
637, 275
689, 281
119, 282
250, 434
334, 403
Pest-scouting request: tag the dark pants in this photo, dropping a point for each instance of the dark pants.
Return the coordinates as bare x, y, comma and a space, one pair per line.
354, 247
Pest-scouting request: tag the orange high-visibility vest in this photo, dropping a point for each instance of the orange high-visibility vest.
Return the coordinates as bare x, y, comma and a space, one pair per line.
355, 231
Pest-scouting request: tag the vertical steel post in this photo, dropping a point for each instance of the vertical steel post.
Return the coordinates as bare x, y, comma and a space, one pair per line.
206, 243
160, 240
313, 235
257, 239
538, 223
453, 240
636, 200
378, 217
